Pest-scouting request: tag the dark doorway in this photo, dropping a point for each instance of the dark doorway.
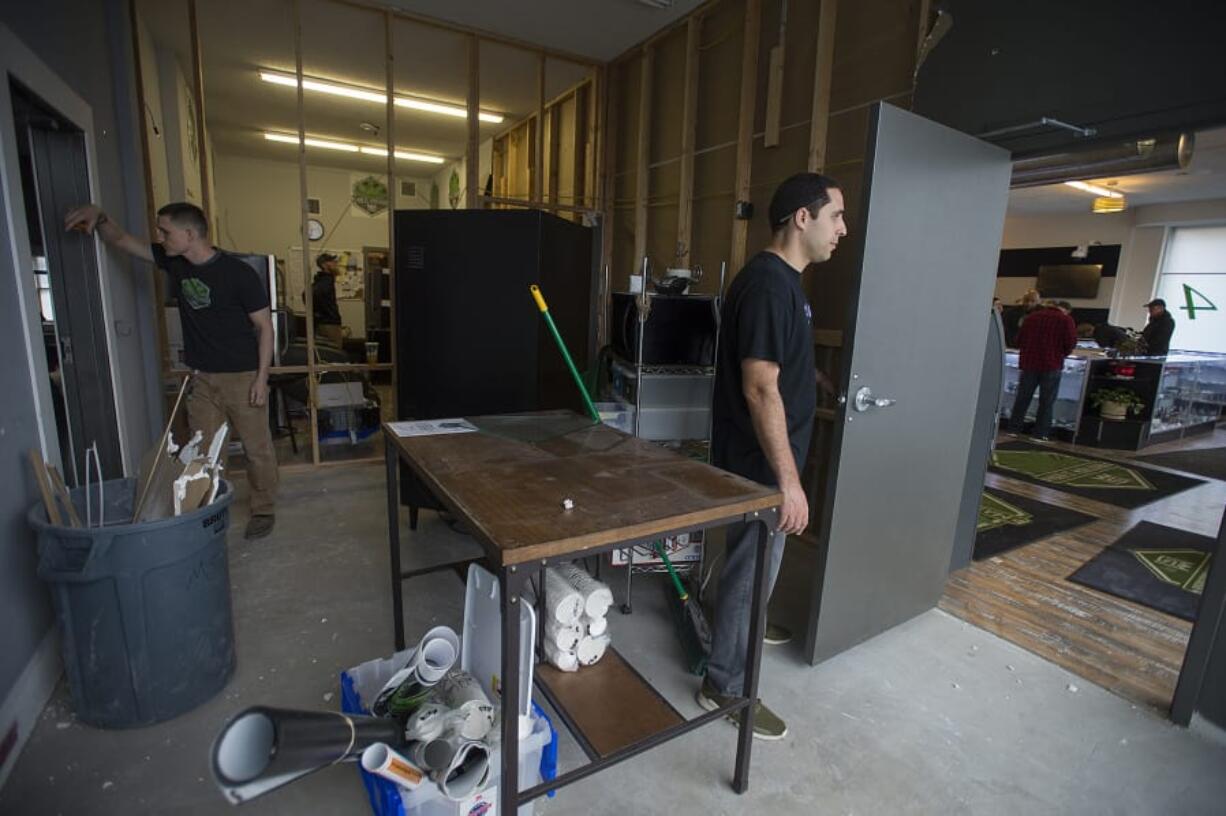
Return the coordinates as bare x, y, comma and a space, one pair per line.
54, 178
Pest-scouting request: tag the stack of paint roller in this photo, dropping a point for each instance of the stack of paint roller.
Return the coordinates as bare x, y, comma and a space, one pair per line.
576, 630
432, 723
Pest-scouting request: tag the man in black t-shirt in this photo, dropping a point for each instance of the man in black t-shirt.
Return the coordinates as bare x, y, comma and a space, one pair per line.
227, 336
765, 399
323, 300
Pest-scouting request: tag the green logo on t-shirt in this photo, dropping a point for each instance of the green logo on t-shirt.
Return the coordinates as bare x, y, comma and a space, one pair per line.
196, 292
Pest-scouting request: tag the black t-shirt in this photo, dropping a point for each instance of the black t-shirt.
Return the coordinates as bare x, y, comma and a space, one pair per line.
765, 316
323, 300
216, 300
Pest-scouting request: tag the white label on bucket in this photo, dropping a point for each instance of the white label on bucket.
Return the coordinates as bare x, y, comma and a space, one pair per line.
484, 803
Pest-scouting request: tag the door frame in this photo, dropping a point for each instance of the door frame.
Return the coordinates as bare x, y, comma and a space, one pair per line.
21, 64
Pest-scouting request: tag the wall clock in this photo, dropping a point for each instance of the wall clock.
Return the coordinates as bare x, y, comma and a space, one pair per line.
315, 229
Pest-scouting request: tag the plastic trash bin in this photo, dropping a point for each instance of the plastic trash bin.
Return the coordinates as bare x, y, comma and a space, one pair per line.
143, 609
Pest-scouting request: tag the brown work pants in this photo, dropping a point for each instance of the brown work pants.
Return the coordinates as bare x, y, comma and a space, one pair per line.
214, 398
332, 332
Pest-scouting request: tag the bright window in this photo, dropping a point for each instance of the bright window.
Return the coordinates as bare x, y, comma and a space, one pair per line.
1193, 284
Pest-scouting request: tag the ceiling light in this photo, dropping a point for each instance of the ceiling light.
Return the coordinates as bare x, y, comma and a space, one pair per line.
414, 103
370, 150
324, 143
1095, 189
406, 155
1106, 204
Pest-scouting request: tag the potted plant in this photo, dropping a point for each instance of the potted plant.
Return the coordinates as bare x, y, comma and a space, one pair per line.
1115, 403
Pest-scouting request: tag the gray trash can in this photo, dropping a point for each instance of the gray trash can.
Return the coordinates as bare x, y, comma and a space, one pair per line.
143, 609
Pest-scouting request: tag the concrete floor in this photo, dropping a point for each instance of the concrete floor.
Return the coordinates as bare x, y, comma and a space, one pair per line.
934, 716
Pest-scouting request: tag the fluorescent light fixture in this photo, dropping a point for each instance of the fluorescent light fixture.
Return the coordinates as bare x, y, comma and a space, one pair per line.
1104, 204
1095, 189
414, 103
324, 143
406, 155
370, 150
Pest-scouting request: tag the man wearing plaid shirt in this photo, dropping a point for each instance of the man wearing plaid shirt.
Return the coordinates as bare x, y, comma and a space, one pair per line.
1046, 337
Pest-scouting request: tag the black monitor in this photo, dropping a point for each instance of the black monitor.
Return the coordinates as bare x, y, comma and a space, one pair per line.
1069, 280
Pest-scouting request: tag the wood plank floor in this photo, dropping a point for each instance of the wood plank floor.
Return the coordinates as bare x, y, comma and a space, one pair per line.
1023, 595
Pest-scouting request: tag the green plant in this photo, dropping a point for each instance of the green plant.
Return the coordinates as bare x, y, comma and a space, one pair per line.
1122, 396
1132, 345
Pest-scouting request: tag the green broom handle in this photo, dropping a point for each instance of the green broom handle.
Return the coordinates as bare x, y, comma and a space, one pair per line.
685, 596
574, 372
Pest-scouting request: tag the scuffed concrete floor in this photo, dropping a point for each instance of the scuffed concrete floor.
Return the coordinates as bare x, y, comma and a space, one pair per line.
934, 716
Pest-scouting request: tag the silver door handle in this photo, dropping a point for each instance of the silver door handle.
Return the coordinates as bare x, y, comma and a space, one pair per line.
864, 400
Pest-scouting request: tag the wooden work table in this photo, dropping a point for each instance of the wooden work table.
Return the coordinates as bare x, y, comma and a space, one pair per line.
509, 483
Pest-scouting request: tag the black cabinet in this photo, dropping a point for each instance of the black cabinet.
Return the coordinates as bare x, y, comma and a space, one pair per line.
470, 340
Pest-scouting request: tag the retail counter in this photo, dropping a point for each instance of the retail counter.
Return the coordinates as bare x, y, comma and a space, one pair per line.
1183, 393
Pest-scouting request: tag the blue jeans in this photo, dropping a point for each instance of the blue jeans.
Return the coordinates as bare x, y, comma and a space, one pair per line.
1048, 383
733, 606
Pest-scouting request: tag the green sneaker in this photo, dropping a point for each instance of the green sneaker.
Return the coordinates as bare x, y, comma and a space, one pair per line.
776, 635
766, 724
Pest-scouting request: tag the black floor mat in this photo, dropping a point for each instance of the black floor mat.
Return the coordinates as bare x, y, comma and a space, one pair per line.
1159, 567
1123, 485
1007, 521
1209, 462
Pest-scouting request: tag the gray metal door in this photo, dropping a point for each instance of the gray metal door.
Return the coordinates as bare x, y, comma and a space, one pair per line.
62, 181
934, 208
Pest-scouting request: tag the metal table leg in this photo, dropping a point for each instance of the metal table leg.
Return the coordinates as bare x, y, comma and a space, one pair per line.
628, 604
753, 660
511, 579
392, 458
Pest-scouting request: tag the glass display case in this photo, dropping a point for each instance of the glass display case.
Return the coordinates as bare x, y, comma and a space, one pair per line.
1066, 414
1191, 392
1182, 393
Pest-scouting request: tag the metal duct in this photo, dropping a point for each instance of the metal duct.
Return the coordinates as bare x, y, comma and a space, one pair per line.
1169, 152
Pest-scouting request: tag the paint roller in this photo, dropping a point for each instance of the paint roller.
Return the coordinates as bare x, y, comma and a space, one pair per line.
597, 597
562, 601
264, 748
565, 638
408, 688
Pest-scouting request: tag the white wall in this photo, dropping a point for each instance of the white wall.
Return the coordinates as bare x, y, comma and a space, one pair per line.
1141, 233
258, 210
485, 163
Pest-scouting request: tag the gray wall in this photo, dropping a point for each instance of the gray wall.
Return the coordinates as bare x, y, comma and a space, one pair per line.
23, 603
88, 45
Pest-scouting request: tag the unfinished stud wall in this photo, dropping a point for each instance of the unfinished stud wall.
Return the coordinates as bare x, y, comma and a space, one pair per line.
873, 58
679, 162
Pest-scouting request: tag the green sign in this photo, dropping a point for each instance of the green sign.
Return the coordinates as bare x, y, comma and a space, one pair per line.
1185, 569
1192, 306
1072, 471
994, 512
370, 195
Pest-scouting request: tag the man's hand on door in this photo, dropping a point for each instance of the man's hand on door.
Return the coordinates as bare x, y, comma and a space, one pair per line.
84, 219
